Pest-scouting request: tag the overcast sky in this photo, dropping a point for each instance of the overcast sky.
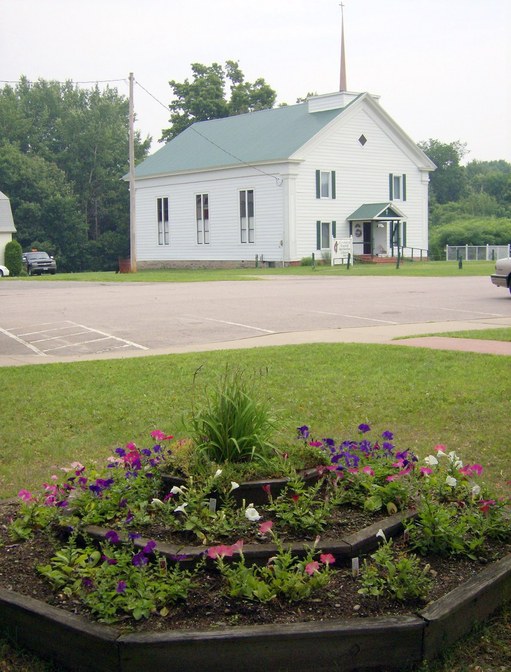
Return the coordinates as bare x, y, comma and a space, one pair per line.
441, 67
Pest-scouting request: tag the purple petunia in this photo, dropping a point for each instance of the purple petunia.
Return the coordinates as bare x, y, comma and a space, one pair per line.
363, 427
140, 559
121, 587
112, 537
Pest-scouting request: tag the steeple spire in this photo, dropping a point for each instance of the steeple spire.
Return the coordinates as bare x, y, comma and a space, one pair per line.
342, 81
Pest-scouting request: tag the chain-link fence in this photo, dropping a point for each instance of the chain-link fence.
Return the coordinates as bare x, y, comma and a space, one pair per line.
477, 252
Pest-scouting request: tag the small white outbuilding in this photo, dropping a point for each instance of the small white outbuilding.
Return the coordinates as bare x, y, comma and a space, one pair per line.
7, 227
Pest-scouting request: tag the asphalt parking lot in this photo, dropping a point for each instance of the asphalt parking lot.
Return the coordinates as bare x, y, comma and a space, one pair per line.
45, 321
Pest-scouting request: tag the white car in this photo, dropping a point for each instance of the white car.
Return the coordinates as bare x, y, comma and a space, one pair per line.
502, 275
3, 271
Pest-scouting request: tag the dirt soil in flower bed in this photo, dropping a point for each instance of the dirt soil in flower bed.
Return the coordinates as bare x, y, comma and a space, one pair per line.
207, 607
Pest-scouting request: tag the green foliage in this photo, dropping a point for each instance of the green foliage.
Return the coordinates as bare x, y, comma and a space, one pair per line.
470, 231
448, 181
116, 581
284, 576
13, 261
234, 424
303, 508
204, 98
63, 152
396, 575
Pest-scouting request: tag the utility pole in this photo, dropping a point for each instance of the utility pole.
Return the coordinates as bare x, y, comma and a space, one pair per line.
133, 242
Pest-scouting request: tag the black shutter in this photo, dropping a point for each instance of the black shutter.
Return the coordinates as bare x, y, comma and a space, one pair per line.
403, 235
391, 186
318, 185
333, 183
404, 187
334, 229
318, 235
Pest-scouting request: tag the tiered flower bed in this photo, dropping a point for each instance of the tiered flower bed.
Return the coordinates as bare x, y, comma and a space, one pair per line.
322, 622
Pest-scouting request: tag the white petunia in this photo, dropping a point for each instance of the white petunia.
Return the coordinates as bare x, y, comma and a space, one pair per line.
431, 460
176, 490
455, 460
476, 490
450, 480
381, 535
234, 486
181, 509
217, 473
157, 502
252, 514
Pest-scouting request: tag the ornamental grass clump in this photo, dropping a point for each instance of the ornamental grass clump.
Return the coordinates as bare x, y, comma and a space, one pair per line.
235, 423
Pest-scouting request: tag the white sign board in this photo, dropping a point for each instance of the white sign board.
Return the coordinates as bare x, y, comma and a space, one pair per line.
341, 247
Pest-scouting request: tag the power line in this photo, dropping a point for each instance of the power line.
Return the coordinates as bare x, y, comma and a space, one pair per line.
54, 81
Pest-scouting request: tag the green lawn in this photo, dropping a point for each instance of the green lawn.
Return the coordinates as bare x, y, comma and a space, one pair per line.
497, 334
406, 269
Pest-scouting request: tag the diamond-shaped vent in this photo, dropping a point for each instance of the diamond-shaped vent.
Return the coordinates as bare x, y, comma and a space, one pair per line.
362, 139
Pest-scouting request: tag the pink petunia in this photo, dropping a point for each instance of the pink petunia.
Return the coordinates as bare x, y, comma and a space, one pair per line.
368, 470
312, 567
426, 471
440, 448
26, 495
160, 436
265, 527
327, 558
486, 504
224, 551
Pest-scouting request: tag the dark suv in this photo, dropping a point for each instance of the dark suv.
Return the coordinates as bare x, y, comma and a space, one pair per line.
37, 263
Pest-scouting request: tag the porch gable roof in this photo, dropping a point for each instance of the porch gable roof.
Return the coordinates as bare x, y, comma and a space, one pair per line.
376, 211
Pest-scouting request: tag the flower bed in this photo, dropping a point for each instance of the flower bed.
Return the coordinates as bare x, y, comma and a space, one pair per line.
272, 577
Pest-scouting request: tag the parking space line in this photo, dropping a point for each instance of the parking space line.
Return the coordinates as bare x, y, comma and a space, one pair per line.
237, 324
20, 340
56, 338
116, 338
65, 335
354, 317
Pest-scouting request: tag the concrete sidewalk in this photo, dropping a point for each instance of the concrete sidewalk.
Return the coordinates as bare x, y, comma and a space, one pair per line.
408, 335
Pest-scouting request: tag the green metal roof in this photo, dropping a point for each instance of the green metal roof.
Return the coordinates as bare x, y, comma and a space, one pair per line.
268, 135
369, 211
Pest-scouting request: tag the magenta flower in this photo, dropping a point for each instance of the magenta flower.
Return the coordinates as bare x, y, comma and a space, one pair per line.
426, 471
267, 489
486, 504
160, 436
368, 470
26, 495
316, 444
312, 567
327, 558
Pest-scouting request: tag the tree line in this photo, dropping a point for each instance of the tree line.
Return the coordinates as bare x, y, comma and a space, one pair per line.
64, 151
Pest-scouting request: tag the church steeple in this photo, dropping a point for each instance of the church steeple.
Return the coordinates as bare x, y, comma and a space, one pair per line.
342, 81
